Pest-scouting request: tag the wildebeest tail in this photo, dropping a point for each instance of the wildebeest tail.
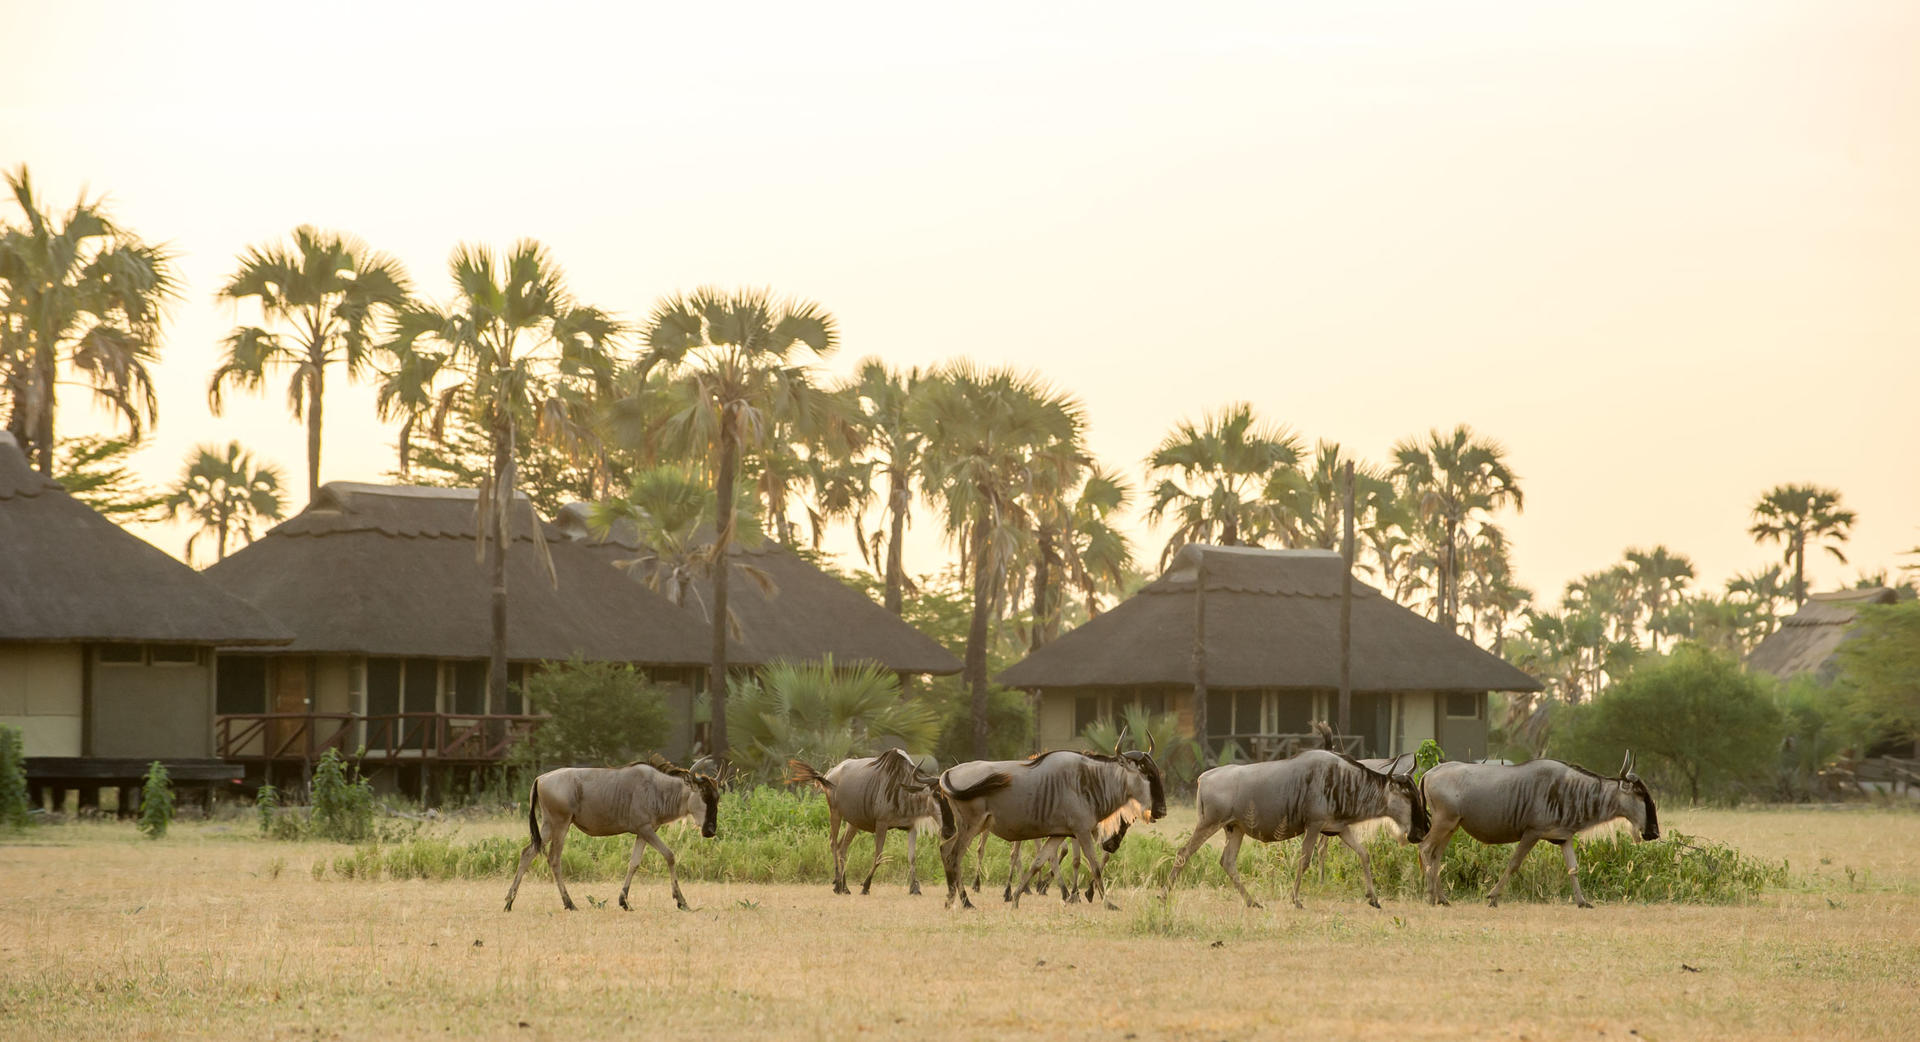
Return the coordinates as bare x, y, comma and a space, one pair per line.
533, 813
947, 827
804, 773
987, 786
1326, 734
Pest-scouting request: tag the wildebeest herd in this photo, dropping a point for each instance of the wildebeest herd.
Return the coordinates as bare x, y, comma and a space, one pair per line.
1087, 800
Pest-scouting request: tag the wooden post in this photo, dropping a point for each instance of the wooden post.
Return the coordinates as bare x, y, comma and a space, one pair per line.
1346, 602
1200, 654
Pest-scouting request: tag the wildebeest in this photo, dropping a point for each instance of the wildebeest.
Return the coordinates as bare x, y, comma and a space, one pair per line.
1316, 792
1051, 853
1526, 803
1384, 764
1059, 793
875, 794
613, 801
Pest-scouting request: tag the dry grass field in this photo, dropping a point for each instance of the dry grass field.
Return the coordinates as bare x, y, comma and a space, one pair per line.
215, 933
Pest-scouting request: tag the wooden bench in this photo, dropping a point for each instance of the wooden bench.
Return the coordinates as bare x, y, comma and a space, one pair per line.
49, 778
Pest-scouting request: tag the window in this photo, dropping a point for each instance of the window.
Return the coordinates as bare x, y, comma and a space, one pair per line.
383, 686
470, 687
1246, 713
1154, 703
173, 654
120, 655
422, 692
516, 697
1220, 713
1086, 710
241, 684
1465, 707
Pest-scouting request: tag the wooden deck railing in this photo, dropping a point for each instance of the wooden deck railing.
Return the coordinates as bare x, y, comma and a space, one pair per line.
390, 737
1276, 746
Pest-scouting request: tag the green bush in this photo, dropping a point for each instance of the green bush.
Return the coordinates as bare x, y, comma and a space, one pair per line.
1699, 725
598, 714
1880, 672
342, 800
156, 801
264, 805
1009, 722
13, 779
822, 714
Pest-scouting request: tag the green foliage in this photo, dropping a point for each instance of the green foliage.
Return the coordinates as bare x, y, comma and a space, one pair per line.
1819, 727
598, 714
1880, 670
1181, 759
1009, 721
1699, 723
13, 778
822, 713
96, 471
156, 801
1426, 757
264, 805
342, 800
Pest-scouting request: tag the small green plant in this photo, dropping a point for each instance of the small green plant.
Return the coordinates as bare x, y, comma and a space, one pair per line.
264, 805
1426, 757
342, 800
13, 779
156, 801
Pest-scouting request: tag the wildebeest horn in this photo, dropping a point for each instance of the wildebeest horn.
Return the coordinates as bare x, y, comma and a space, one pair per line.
1150, 744
1120, 742
1626, 765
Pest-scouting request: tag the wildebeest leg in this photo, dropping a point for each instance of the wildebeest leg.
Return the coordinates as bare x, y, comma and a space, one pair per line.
526, 859
554, 842
633, 865
1366, 863
839, 841
1230, 862
673, 874
980, 864
1090, 850
953, 857
1520, 852
1573, 873
913, 858
1202, 832
1300, 872
879, 844
1433, 853
1013, 869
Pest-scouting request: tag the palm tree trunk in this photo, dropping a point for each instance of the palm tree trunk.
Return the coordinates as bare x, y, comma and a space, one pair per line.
722, 539
1041, 601
976, 663
316, 381
1799, 568
897, 502
43, 423
1448, 578
498, 533
406, 446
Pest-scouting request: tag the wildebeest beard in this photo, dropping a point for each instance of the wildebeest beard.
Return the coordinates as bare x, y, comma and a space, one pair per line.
710, 792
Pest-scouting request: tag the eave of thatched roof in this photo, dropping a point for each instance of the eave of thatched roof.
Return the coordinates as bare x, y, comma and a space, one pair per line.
1808, 640
809, 614
1273, 621
394, 570
69, 574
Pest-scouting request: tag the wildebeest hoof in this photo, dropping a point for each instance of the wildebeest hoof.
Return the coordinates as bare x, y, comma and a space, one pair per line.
1493, 902
1111, 907
1444, 903
1296, 904
1584, 903
1374, 901
570, 907
865, 889
914, 890
1256, 904
684, 906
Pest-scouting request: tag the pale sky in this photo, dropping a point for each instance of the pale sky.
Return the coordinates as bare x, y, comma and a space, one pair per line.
1668, 254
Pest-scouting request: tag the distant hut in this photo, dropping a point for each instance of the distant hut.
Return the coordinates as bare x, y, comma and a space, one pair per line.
1808, 641
808, 615
1272, 659
107, 644
391, 617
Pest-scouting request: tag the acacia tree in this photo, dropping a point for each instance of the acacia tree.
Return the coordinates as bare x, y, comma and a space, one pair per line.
328, 291
227, 493
984, 431
739, 368
511, 330
80, 294
1223, 465
1455, 479
1796, 515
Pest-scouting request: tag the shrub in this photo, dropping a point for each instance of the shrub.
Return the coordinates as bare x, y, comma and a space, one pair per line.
156, 801
822, 714
1880, 671
1009, 722
1698, 723
13, 778
598, 714
264, 805
342, 800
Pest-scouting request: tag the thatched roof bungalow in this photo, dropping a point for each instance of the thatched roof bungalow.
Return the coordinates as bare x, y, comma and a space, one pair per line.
107, 644
1808, 641
1271, 635
808, 614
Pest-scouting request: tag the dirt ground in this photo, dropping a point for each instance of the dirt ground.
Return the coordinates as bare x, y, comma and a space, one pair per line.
215, 933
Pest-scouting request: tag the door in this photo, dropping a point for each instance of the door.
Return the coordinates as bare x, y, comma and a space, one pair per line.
291, 694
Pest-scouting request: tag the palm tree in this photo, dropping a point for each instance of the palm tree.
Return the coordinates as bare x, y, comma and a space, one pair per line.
739, 370
983, 431
412, 391
671, 513
77, 293
1225, 464
512, 330
1454, 478
884, 402
1306, 505
1100, 553
227, 493
1762, 591
1795, 515
328, 291
1660, 577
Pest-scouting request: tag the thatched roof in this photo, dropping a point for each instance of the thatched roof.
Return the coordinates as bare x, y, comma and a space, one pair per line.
810, 614
69, 574
1808, 640
393, 570
1273, 620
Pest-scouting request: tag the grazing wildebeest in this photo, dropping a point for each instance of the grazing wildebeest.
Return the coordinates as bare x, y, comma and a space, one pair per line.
1316, 792
1526, 803
1059, 793
613, 801
875, 794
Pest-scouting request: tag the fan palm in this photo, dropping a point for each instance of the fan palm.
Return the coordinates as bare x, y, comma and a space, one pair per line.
78, 293
983, 432
1660, 578
1796, 515
740, 369
884, 402
328, 291
823, 713
670, 512
1306, 505
1223, 465
1454, 478
511, 331
227, 493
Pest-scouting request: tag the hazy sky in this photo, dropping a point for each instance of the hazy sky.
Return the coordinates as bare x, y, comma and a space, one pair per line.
1668, 254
